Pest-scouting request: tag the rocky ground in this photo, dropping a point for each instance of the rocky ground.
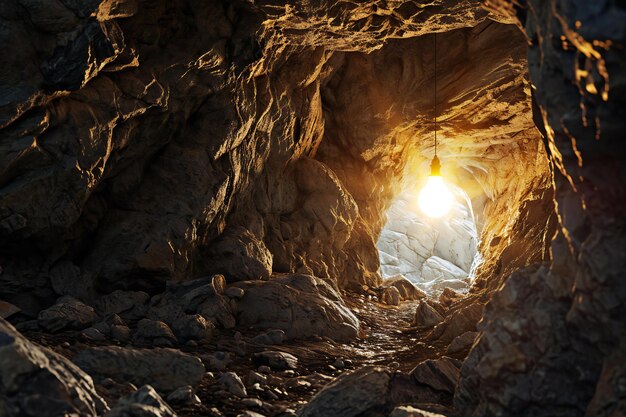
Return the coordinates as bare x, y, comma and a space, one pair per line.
243, 371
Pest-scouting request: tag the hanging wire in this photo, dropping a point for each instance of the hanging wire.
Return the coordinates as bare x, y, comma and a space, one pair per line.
435, 109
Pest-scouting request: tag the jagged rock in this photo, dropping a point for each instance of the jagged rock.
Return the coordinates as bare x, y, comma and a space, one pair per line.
410, 411
300, 305
249, 413
190, 294
408, 291
426, 315
351, 394
458, 322
278, 361
8, 309
193, 327
155, 333
255, 378
390, 296
67, 313
240, 256
270, 337
462, 342
165, 369
439, 374
609, 399
120, 332
145, 402
93, 334
448, 296
234, 292
127, 304
217, 361
233, 383
35, 381
218, 310
183, 395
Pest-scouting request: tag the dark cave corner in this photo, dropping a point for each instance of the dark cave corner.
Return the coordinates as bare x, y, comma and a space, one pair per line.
209, 209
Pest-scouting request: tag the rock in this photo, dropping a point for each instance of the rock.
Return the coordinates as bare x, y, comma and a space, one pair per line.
300, 305
390, 296
7, 309
233, 383
448, 296
458, 322
121, 333
249, 413
127, 304
67, 314
217, 361
462, 342
256, 378
271, 337
410, 411
240, 256
264, 369
426, 315
438, 270
193, 327
609, 398
339, 363
190, 294
277, 361
234, 292
440, 374
351, 394
93, 334
145, 402
183, 396
408, 290
252, 402
165, 369
35, 381
154, 332
218, 310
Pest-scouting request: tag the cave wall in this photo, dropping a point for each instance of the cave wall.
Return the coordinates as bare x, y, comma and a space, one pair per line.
550, 343
145, 142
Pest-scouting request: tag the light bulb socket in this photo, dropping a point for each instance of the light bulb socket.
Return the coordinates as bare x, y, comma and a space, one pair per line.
435, 167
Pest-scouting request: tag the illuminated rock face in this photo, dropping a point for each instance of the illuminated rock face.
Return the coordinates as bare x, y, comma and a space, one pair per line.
432, 253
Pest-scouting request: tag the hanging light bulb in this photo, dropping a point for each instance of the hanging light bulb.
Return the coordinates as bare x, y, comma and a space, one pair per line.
435, 199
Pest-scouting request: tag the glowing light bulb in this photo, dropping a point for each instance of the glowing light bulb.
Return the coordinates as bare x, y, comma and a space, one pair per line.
435, 199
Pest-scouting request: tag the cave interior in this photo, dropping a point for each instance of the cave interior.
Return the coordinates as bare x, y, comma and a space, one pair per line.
211, 208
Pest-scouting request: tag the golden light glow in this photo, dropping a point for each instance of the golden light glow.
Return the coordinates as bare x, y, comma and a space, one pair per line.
435, 199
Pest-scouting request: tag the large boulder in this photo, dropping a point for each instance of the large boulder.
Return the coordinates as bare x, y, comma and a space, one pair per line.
37, 382
351, 395
165, 369
439, 374
301, 305
67, 314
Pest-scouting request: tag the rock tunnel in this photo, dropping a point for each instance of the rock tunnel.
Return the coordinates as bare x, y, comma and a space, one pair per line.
208, 208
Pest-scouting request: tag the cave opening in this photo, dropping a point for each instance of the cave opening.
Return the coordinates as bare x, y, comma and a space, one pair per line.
432, 253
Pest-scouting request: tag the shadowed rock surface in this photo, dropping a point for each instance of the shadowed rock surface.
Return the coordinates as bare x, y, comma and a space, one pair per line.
214, 176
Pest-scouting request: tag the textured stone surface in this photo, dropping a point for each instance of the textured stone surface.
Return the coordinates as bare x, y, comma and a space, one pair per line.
440, 374
67, 313
164, 369
301, 305
145, 402
34, 381
351, 394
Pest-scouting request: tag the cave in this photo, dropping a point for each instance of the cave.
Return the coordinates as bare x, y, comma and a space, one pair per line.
215, 208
